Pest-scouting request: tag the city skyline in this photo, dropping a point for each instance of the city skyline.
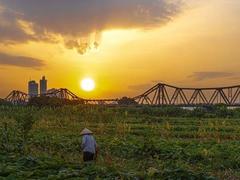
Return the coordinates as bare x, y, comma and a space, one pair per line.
125, 47
35, 89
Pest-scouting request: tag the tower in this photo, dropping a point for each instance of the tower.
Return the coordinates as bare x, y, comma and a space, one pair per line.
32, 89
43, 85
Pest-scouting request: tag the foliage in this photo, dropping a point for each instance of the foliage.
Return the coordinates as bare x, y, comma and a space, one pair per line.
127, 101
52, 101
4, 103
135, 142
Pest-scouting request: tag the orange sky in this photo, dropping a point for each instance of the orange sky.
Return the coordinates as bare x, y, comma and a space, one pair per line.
199, 46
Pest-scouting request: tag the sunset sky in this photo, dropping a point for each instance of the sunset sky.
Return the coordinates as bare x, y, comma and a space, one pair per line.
126, 46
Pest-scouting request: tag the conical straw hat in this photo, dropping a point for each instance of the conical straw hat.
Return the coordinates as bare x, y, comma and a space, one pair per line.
86, 131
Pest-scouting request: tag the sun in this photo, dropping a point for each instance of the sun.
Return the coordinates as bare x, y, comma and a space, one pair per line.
88, 84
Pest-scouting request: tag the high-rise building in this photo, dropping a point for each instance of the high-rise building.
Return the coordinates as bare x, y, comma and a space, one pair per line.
43, 85
32, 89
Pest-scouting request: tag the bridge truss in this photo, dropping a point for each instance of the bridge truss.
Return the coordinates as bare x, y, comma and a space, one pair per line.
63, 94
158, 95
18, 97
163, 94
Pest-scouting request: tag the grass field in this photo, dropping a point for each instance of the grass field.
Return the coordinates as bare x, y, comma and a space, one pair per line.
45, 144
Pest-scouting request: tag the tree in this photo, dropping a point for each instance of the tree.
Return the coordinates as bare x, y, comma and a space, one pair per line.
52, 101
127, 101
3, 102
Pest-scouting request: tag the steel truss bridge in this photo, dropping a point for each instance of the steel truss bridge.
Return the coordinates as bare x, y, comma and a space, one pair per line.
18, 97
158, 95
163, 94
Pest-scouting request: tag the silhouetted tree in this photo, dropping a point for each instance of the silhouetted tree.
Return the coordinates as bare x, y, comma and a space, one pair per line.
52, 101
3, 102
127, 101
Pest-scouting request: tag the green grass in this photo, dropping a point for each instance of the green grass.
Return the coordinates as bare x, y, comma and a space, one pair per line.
45, 144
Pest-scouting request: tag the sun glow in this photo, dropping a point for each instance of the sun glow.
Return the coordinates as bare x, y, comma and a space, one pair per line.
88, 84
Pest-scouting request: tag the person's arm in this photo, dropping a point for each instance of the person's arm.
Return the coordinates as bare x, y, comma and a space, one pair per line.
83, 142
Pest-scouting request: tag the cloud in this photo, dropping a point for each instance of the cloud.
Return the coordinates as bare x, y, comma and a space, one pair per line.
200, 76
76, 20
9, 29
20, 61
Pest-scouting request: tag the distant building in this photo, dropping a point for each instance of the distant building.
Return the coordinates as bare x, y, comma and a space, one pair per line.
43, 85
32, 88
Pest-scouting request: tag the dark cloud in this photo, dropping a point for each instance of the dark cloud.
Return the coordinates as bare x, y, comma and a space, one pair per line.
15, 29
74, 19
20, 61
199, 76
9, 28
80, 46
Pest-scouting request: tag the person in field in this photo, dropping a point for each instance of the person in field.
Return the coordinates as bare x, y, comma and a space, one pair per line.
89, 145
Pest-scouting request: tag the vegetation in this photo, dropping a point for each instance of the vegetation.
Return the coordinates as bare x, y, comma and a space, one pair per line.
127, 101
135, 142
44, 101
3, 102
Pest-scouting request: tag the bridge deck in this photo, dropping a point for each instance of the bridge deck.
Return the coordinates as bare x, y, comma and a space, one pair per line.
160, 94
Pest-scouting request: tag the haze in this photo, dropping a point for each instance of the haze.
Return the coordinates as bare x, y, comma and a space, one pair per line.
125, 46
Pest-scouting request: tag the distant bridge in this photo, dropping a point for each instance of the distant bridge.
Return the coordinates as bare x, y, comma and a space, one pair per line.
18, 97
158, 95
164, 94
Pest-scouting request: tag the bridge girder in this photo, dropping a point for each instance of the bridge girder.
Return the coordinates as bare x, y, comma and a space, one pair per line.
164, 94
160, 94
17, 97
63, 93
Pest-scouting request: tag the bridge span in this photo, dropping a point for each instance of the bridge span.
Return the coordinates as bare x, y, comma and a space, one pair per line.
18, 97
159, 95
164, 94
